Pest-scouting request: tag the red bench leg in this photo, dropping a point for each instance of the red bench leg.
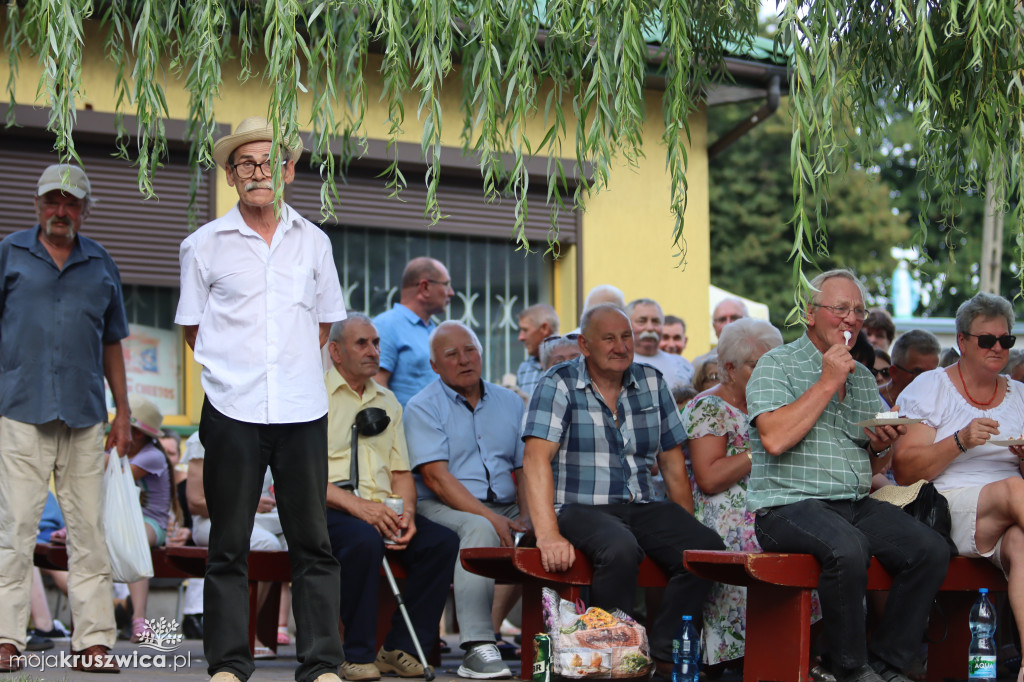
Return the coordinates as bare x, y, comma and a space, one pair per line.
947, 657
781, 647
533, 619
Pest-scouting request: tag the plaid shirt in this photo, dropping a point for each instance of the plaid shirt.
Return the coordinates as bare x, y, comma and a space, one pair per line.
830, 462
597, 461
529, 374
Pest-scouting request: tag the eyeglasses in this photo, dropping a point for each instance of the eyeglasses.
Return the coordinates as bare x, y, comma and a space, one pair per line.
987, 341
572, 336
914, 371
445, 284
884, 372
247, 169
728, 318
841, 311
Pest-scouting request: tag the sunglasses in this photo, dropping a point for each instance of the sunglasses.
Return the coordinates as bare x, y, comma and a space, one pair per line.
915, 371
987, 341
880, 372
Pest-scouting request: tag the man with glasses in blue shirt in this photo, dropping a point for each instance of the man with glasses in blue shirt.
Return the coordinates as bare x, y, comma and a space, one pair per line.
404, 330
809, 484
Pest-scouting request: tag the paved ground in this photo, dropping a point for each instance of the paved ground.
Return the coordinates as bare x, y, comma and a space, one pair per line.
185, 664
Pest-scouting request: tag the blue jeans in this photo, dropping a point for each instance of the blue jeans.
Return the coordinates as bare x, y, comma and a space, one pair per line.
843, 535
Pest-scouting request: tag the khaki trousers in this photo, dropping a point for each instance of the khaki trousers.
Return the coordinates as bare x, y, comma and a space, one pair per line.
28, 454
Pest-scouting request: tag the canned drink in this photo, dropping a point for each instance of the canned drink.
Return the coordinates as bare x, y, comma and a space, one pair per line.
541, 658
396, 504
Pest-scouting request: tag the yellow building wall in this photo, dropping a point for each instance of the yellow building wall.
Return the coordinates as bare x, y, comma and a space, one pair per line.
626, 228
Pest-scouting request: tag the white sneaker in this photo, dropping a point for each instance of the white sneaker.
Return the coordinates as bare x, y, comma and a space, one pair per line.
483, 662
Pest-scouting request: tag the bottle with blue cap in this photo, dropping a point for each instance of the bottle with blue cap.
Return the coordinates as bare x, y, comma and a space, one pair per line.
981, 657
686, 652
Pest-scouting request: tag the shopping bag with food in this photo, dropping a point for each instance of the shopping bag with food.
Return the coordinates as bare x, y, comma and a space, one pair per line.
594, 643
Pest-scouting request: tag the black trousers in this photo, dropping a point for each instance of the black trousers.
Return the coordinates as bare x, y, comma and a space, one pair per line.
237, 456
616, 537
843, 535
429, 562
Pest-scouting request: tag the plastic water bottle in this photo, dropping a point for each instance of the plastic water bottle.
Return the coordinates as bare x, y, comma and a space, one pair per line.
981, 657
686, 652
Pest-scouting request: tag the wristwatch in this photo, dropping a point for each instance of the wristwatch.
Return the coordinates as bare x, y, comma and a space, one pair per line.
881, 453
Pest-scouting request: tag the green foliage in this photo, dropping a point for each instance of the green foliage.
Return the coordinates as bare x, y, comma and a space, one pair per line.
955, 65
750, 199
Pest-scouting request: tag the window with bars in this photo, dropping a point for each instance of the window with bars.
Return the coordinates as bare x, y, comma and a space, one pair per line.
493, 282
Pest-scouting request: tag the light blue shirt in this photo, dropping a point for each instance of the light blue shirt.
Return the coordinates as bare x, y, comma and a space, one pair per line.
405, 351
482, 446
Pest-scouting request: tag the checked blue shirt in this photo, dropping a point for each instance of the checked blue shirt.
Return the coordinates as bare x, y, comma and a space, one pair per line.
599, 462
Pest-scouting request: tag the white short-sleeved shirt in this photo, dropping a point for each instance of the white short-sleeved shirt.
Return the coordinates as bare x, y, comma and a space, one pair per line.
933, 398
258, 308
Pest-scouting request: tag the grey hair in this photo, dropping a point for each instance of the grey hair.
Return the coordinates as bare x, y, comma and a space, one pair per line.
739, 302
918, 340
820, 280
338, 328
589, 313
644, 301
450, 324
549, 346
539, 313
742, 339
1016, 358
983, 304
605, 293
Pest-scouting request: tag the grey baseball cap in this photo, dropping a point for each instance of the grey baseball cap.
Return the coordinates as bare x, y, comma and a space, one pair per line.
65, 177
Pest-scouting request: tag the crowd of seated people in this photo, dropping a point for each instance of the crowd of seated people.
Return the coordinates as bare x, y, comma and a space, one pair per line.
470, 481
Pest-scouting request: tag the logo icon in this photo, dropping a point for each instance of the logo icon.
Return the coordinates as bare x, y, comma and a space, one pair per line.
161, 634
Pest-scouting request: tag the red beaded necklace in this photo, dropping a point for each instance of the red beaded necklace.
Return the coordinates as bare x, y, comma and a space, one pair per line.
968, 393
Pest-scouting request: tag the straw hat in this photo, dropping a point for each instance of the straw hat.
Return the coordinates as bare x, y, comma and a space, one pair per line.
146, 416
900, 495
252, 129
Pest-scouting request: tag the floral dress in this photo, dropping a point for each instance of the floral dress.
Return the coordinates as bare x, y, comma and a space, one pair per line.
725, 611
726, 513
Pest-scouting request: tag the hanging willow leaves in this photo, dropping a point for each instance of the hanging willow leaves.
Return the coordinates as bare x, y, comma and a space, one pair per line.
581, 69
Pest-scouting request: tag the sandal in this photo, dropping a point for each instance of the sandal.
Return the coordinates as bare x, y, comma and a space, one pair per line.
140, 630
263, 653
283, 638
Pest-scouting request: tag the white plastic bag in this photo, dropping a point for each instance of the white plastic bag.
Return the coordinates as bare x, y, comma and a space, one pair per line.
125, 530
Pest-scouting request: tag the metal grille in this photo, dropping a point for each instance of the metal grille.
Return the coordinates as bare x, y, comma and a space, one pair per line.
493, 282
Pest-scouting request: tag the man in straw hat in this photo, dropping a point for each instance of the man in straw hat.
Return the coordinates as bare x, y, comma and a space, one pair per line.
62, 319
259, 291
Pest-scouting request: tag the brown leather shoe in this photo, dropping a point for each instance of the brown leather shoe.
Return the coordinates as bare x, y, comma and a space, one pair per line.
95, 659
9, 662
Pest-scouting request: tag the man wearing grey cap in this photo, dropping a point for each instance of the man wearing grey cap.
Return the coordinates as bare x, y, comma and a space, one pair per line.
62, 319
259, 291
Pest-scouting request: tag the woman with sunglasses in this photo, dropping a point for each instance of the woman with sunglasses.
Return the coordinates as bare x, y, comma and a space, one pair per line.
964, 407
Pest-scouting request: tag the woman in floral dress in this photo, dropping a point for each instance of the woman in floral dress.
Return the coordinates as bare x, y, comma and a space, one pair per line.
716, 423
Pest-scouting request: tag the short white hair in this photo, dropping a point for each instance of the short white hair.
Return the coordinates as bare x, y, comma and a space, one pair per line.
605, 293
452, 324
741, 339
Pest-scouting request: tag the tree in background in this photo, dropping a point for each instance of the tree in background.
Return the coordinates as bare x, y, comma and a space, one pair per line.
752, 202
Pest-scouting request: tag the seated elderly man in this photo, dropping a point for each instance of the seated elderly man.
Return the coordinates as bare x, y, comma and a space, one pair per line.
648, 320
812, 468
463, 437
536, 323
594, 428
558, 349
360, 524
